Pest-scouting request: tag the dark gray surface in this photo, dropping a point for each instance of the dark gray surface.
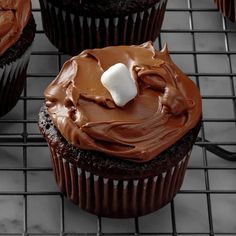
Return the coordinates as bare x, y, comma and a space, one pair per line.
44, 212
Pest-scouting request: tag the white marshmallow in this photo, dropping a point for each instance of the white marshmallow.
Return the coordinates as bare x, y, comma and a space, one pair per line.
118, 81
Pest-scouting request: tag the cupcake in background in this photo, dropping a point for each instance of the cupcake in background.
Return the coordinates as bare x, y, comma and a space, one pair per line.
227, 8
73, 26
17, 31
120, 123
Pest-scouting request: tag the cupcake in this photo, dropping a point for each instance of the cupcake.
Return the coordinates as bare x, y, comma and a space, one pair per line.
227, 8
73, 26
120, 123
17, 31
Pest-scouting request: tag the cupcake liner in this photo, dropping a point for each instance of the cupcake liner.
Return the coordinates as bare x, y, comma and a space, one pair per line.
12, 81
117, 198
227, 8
72, 33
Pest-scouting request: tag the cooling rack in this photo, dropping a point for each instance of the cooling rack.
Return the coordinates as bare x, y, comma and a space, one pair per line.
203, 44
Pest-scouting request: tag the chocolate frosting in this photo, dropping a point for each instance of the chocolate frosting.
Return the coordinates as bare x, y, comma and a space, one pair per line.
167, 106
14, 15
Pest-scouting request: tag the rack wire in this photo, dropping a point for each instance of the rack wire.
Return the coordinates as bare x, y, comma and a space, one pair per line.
30, 203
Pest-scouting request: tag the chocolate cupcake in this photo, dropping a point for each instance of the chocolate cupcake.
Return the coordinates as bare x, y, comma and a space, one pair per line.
73, 26
227, 8
120, 123
17, 31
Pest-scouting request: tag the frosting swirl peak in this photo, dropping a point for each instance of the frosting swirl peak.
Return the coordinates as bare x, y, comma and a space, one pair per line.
167, 106
14, 15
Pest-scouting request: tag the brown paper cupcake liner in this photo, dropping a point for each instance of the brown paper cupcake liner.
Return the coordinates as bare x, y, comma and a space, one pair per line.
117, 198
227, 8
12, 81
72, 33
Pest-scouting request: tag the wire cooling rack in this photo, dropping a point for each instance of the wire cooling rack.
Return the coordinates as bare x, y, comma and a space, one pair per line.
203, 44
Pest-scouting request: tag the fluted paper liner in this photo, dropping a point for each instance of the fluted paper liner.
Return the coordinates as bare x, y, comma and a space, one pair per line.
227, 8
117, 198
12, 81
72, 33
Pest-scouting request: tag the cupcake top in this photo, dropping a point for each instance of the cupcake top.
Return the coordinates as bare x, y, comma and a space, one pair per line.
167, 104
14, 15
106, 8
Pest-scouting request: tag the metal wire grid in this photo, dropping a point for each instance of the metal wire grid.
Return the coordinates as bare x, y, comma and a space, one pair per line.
25, 139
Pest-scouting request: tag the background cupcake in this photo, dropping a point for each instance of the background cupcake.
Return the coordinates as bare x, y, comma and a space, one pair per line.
73, 26
114, 159
17, 31
227, 8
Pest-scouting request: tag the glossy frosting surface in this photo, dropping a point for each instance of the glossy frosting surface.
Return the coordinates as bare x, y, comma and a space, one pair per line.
14, 15
167, 106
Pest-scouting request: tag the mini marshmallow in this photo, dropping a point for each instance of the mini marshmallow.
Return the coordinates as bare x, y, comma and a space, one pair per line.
118, 81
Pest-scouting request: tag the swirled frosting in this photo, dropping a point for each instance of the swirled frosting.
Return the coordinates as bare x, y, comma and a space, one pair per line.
167, 106
14, 15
